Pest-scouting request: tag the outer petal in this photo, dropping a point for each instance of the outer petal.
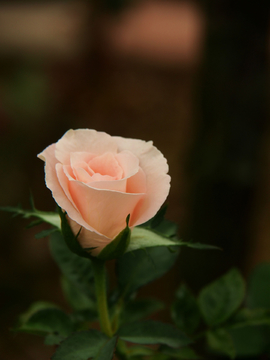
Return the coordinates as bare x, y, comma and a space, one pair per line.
84, 140
103, 210
155, 167
67, 203
89, 238
53, 183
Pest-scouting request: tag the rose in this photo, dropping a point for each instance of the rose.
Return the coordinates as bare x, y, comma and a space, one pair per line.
99, 179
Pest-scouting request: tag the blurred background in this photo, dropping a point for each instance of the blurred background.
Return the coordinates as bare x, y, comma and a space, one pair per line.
190, 75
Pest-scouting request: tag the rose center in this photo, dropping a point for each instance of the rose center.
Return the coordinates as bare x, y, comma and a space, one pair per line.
106, 165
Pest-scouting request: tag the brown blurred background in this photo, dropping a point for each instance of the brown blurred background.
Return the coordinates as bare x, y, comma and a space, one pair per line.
190, 75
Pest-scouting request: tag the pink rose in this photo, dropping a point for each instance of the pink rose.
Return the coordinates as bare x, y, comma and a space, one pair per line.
99, 179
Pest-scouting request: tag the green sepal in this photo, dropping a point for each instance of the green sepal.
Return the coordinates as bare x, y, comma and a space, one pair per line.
118, 246
71, 239
142, 238
185, 311
220, 300
81, 345
220, 341
51, 218
153, 332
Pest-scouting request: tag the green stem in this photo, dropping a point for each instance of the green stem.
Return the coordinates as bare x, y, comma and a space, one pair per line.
100, 285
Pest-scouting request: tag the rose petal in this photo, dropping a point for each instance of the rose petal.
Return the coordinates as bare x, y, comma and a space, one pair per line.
89, 239
136, 184
84, 140
66, 201
106, 164
128, 162
155, 167
104, 210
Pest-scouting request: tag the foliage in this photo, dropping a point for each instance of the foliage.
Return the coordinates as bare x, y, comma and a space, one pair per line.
230, 317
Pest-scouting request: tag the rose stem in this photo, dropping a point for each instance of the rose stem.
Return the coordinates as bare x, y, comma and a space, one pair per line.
100, 285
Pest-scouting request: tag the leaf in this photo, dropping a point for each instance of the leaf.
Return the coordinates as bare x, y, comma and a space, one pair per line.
81, 346
138, 309
220, 341
48, 217
118, 246
35, 307
159, 217
77, 299
153, 332
140, 267
70, 239
250, 317
45, 233
199, 246
134, 351
107, 351
185, 312
219, 300
48, 321
142, 238
182, 353
249, 341
258, 293
76, 269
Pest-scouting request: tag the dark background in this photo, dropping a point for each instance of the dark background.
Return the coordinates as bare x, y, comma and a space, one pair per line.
191, 76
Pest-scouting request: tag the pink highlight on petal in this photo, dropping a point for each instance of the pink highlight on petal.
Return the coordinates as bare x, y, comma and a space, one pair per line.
106, 164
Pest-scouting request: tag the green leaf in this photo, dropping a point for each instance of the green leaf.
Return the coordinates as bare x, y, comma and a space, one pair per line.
48, 217
77, 299
250, 317
45, 233
76, 269
48, 321
153, 332
71, 239
134, 351
139, 309
219, 300
35, 307
185, 312
107, 351
258, 293
159, 217
199, 246
142, 238
220, 341
140, 267
249, 341
182, 353
167, 228
118, 246
81, 346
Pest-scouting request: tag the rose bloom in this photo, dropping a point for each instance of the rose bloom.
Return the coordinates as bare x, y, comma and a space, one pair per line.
100, 179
